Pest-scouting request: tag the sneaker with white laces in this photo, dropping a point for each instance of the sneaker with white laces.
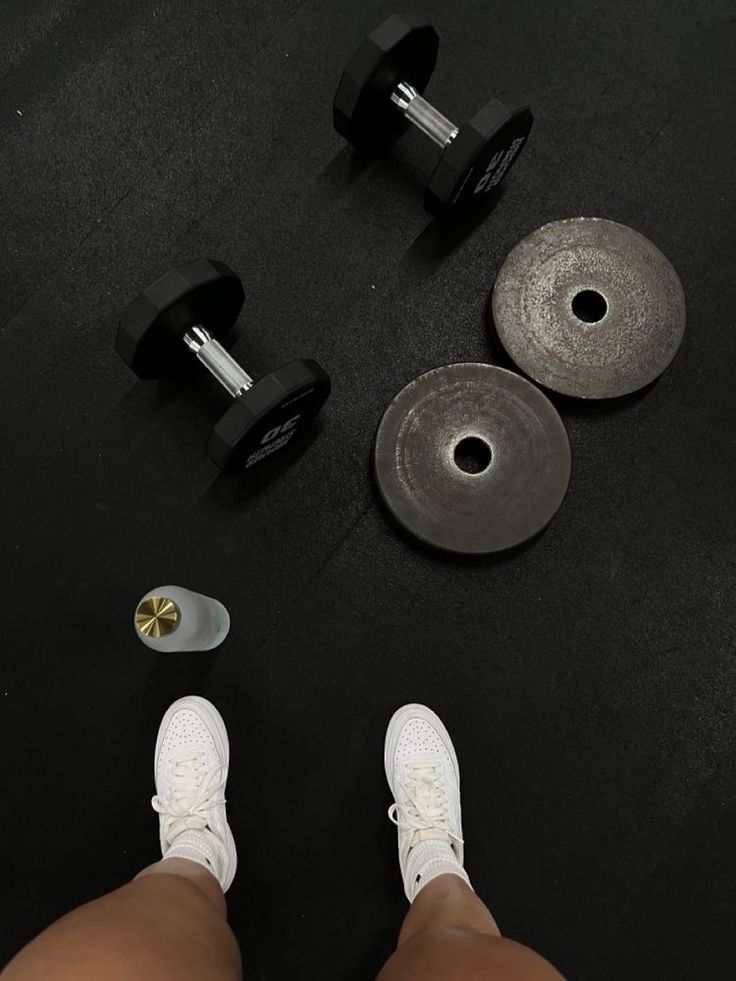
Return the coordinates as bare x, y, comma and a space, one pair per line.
424, 777
190, 769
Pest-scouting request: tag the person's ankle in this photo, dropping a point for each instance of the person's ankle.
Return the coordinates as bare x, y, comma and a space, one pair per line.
428, 861
447, 886
192, 873
448, 904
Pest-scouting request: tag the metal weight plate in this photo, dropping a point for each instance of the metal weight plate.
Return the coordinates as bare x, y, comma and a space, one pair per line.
589, 308
478, 417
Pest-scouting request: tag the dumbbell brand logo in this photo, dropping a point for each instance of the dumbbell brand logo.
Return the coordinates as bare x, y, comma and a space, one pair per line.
498, 166
274, 440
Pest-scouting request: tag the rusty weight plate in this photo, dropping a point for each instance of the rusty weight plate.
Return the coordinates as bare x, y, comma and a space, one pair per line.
589, 308
472, 459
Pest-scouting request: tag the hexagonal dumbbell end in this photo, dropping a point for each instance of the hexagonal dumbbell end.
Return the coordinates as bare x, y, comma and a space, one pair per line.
401, 49
479, 157
150, 337
266, 418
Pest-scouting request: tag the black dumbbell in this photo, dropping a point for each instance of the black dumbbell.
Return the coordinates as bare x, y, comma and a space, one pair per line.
380, 93
186, 312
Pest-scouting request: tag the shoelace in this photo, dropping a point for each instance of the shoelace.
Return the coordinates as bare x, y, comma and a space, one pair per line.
426, 809
193, 792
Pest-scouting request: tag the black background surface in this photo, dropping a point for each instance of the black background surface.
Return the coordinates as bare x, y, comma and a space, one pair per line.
588, 680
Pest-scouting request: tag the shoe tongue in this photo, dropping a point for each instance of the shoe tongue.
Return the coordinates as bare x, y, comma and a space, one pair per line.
425, 789
188, 753
431, 834
424, 763
188, 774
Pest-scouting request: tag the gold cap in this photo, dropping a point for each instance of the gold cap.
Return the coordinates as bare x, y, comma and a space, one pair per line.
157, 616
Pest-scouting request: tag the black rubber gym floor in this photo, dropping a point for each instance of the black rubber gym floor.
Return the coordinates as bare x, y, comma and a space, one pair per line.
588, 680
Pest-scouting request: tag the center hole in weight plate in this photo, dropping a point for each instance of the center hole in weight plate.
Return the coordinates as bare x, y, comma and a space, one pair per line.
472, 455
589, 306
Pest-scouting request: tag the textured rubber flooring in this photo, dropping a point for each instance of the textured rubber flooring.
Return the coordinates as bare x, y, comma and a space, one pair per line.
588, 680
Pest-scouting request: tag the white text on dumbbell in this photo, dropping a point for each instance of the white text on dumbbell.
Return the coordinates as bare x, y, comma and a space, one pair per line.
498, 166
275, 439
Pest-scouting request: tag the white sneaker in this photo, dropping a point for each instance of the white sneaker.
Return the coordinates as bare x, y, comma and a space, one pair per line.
190, 769
424, 777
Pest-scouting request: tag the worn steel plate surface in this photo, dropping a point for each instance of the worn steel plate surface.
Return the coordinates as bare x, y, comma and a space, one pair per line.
589, 308
472, 416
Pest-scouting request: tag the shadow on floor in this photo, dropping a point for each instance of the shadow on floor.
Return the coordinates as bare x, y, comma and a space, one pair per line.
442, 236
234, 490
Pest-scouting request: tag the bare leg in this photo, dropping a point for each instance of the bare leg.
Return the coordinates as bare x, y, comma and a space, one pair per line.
449, 935
168, 924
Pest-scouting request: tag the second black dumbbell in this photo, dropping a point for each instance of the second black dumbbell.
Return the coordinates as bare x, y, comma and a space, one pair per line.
186, 312
380, 93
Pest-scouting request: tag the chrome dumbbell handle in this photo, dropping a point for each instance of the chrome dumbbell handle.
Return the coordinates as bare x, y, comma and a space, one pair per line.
217, 361
423, 114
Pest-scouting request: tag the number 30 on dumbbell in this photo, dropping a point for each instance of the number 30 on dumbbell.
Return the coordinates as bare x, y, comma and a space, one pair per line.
187, 312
